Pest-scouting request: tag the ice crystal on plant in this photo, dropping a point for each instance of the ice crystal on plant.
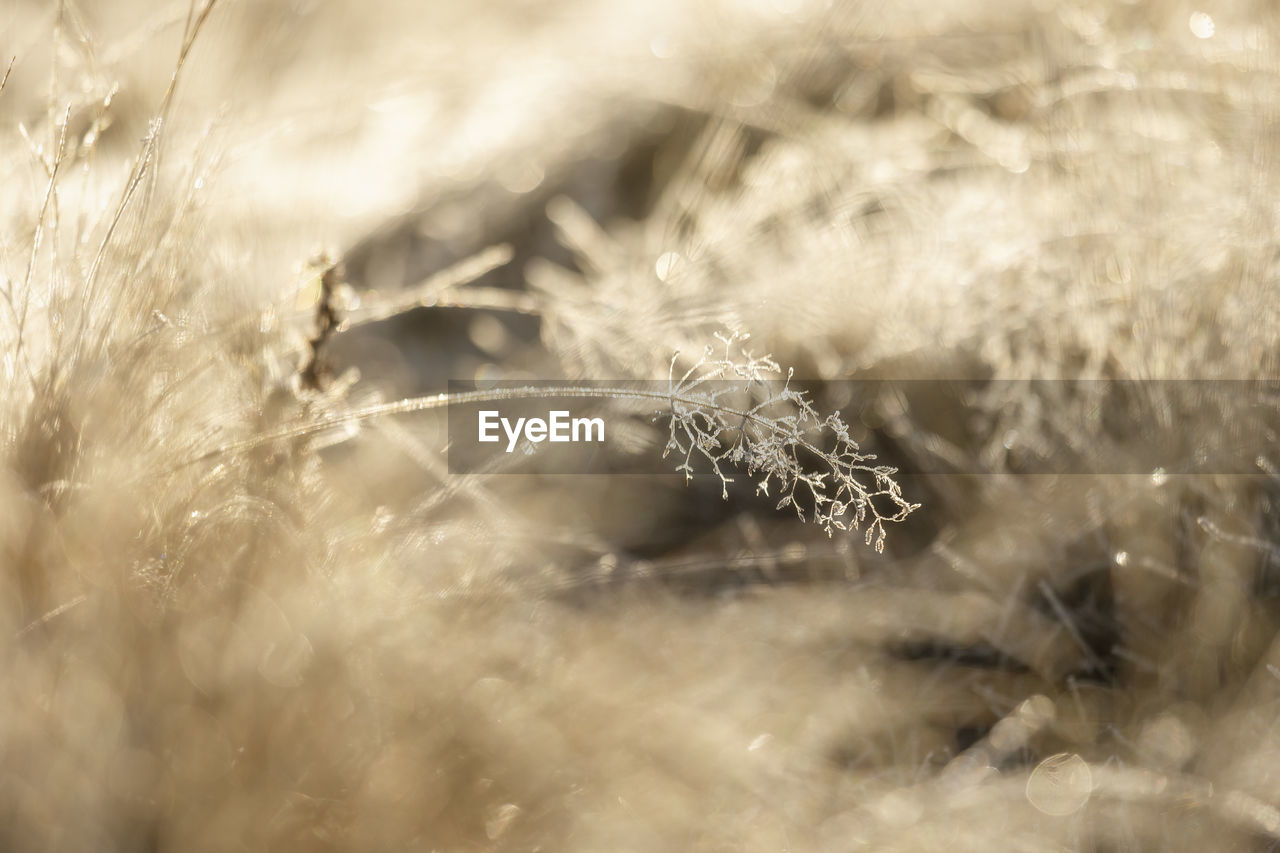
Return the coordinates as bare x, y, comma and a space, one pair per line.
727, 410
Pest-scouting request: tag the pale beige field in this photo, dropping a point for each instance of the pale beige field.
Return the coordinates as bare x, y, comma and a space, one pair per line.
245, 606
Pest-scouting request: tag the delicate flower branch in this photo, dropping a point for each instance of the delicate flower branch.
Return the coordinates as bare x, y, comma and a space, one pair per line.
779, 438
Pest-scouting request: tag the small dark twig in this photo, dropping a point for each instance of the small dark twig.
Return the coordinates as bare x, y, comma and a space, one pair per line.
316, 372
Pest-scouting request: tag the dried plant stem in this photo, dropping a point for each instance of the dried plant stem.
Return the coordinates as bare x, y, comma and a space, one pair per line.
147, 156
763, 444
446, 399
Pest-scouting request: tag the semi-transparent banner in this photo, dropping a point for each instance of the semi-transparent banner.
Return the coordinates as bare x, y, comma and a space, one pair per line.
1157, 427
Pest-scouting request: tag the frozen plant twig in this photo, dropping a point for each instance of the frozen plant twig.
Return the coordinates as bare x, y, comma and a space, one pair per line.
779, 438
